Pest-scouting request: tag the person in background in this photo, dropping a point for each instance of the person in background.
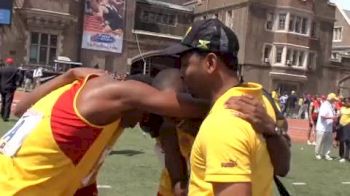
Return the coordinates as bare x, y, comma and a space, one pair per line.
28, 80
2, 63
276, 97
344, 133
37, 74
292, 105
324, 128
9, 79
283, 103
313, 114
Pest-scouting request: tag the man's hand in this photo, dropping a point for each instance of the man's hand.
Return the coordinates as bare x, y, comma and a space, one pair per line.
252, 110
180, 189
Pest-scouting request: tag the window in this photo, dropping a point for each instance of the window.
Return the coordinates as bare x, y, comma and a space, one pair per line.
229, 19
158, 18
337, 33
294, 57
43, 48
297, 24
282, 21
267, 53
313, 32
216, 16
311, 60
301, 58
304, 25
288, 22
291, 22
279, 51
269, 21
289, 56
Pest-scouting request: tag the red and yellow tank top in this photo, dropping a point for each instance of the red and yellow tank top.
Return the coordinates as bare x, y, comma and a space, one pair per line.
52, 149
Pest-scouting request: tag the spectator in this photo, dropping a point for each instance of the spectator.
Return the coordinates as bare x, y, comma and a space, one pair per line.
324, 128
28, 80
275, 95
9, 79
37, 74
291, 105
314, 109
304, 108
283, 101
2, 63
344, 132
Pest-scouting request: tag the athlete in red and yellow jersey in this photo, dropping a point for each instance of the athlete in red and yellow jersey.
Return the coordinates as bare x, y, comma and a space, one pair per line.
67, 133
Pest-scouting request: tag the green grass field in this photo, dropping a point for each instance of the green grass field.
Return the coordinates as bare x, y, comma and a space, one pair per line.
133, 170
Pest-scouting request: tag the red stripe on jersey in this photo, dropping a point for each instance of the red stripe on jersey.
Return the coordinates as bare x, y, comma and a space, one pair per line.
73, 135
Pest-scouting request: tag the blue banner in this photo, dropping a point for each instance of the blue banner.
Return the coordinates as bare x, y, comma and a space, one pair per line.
5, 16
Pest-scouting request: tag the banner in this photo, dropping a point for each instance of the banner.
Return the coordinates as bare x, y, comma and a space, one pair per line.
5, 12
104, 25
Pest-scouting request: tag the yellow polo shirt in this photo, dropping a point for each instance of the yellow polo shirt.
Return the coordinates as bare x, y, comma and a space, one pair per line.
345, 116
227, 149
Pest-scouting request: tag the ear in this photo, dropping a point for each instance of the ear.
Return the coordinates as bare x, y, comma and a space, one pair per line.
212, 62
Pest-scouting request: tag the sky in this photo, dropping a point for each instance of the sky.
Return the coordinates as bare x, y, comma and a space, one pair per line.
344, 4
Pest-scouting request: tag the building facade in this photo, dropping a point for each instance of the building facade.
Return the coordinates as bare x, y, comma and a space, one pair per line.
42, 30
340, 57
285, 44
341, 30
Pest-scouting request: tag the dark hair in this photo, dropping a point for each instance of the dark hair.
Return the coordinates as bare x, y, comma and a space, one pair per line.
229, 59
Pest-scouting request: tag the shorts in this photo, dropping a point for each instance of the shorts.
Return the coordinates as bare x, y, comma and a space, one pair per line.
314, 121
90, 190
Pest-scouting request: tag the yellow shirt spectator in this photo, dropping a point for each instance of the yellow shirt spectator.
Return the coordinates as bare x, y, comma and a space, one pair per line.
345, 116
227, 149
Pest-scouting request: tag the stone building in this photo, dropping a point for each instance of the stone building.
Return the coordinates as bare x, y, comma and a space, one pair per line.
285, 44
341, 50
42, 30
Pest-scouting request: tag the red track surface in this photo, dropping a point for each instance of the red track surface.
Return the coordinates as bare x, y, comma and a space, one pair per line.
297, 128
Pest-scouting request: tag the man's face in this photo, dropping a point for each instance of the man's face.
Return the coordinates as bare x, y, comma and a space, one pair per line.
193, 73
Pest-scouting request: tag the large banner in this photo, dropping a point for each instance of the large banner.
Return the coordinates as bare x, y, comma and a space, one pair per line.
5, 12
104, 25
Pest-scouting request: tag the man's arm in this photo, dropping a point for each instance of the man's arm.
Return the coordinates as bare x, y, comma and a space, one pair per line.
250, 109
46, 88
134, 94
229, 189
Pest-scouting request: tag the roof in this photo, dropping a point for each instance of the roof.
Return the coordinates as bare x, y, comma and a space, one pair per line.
344, 13
347, 12
167, 5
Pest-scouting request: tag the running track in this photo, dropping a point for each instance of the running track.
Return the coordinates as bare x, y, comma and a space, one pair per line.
297, 128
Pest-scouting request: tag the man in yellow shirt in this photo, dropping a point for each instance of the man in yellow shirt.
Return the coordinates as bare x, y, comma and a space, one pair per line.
228, 156
344, 136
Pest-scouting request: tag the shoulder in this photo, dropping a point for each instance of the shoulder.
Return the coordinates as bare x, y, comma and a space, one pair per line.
224, 125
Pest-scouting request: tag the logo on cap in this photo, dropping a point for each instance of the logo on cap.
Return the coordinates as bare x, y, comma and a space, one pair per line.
203, 44
188, 31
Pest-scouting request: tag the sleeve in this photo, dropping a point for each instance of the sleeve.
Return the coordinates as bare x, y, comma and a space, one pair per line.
228, 152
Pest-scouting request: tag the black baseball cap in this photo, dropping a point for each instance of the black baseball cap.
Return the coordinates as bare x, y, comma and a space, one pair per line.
209, 35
